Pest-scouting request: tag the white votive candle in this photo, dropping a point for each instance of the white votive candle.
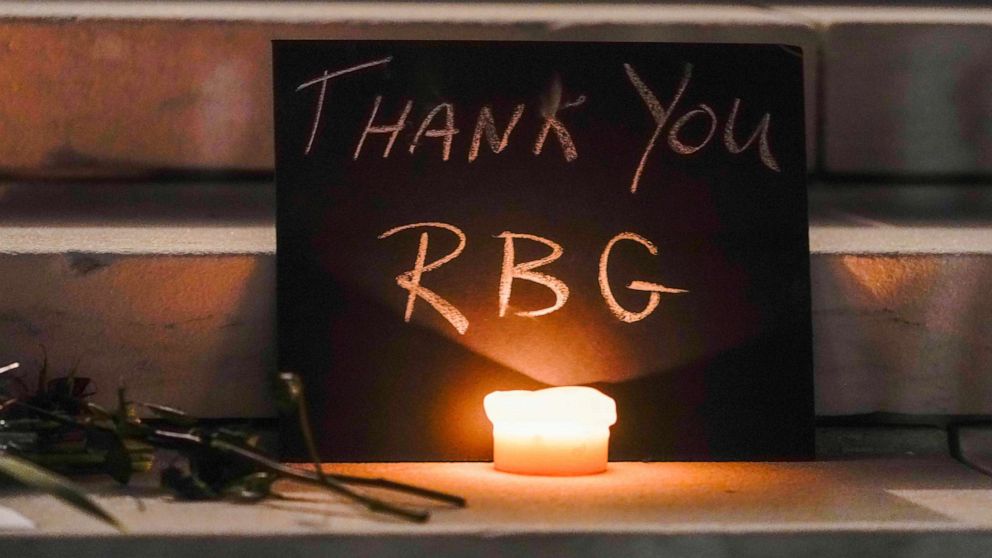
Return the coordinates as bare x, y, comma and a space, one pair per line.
554, 431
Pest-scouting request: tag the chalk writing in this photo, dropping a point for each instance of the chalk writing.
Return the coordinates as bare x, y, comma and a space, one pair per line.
512, 270
654, 288
440, 122
410, 280
673, 135
486, 124
447, 132
761, 131
661, 116
322, 80
657, 111
392, 129
551, 108
552, 122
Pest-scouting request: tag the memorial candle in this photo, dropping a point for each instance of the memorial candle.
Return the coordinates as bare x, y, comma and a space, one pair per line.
557, 431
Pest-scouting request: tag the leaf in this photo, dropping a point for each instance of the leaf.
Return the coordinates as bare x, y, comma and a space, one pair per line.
118, 461
141, 455
70, 387
255, 486
99, 412
4, 403
170, 414
186, 486
32, 476
125, 411
43, 373
288, 389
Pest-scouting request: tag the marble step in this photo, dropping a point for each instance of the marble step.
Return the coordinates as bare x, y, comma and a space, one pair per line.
919, 506
128, 88
903, 89
171, 287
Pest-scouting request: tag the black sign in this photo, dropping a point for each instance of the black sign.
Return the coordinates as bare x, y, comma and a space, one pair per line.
456, 218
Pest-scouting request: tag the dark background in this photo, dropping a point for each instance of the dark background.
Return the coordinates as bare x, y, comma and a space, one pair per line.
721, 372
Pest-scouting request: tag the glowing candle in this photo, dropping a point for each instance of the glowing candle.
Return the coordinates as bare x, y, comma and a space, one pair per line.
554, 431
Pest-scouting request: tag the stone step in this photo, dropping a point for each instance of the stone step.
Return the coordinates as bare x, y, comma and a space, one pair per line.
171, 288
128, 87
926, 506
112, 88
903, 89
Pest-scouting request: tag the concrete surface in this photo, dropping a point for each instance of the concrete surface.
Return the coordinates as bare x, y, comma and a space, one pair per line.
972, 444
892, 90
925, 506
182, 308
900, 308
860, 442
904, 89
10, 520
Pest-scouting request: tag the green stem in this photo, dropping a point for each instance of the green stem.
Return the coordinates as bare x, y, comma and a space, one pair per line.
301, 407
373, 504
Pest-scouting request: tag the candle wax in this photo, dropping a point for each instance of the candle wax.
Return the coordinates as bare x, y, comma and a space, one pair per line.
556, 431
550, 449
